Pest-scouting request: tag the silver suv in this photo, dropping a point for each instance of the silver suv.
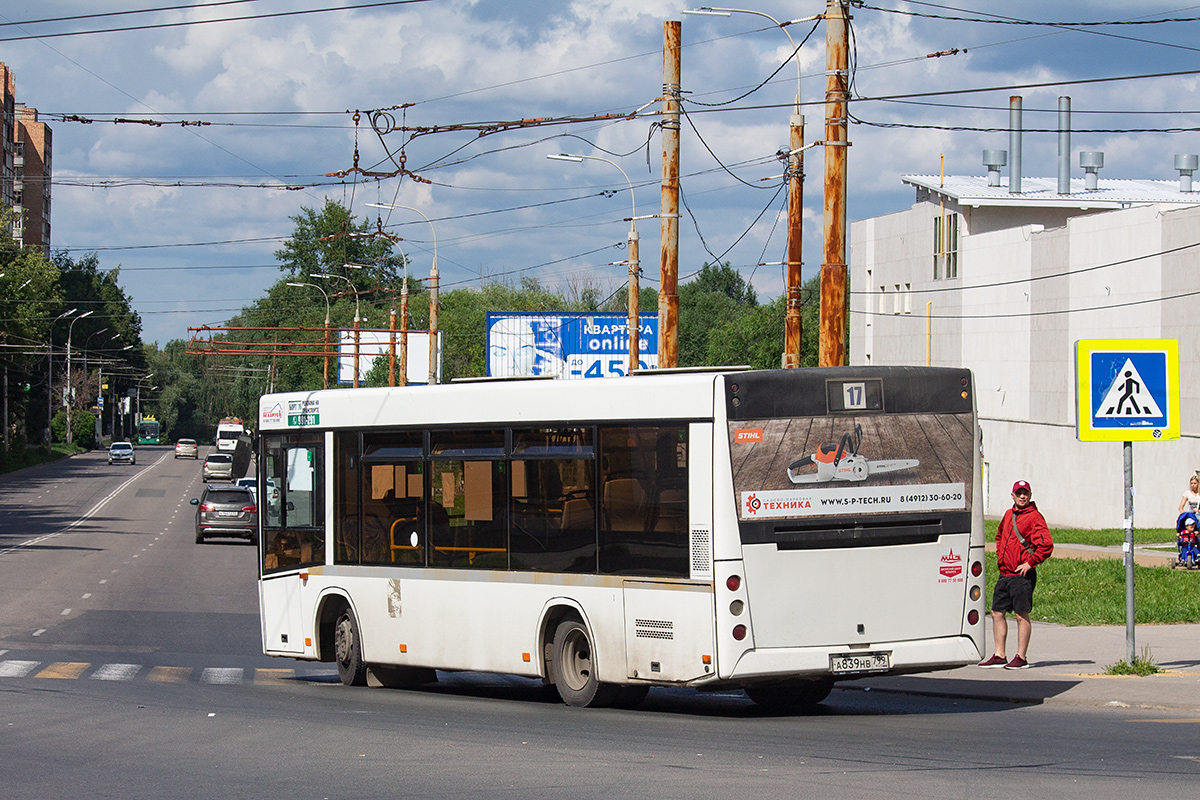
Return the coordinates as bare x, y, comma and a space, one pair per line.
226, 512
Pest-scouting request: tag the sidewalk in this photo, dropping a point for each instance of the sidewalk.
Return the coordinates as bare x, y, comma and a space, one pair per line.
1067, 666
1142, 556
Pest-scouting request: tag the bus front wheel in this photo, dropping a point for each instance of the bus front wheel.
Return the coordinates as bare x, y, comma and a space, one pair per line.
347, 647
574, 668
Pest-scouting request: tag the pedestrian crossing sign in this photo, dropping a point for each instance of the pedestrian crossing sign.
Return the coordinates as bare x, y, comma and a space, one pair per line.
1127, 390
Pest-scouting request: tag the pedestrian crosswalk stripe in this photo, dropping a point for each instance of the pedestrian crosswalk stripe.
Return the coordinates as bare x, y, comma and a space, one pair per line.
227, 676
16, 669
169, 674
273, 675
222, 675
116, 672
67, 670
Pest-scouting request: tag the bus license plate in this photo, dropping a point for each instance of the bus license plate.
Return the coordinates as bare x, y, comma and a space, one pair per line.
860, 663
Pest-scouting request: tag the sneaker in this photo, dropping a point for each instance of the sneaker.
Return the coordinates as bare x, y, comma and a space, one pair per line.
995, 662
1017, 663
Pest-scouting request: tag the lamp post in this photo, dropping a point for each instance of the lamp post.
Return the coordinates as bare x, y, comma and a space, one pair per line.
357, 316
50, 377
795, 173
433, 290
69, 398
325, 379
634, 267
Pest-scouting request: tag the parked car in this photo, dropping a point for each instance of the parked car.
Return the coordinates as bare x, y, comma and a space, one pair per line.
122, 452
217, 466
187, 448
226, 511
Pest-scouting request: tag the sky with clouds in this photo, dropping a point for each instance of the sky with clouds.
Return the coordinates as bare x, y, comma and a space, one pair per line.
193, 213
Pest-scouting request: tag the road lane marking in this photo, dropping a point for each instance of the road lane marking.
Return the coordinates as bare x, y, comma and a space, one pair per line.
169, 674
16, 669
66, 612
65, 670
87, 515
222, 675
39, 631
86, 595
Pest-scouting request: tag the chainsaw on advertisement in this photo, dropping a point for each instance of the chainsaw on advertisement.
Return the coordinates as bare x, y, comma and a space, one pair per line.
843, 463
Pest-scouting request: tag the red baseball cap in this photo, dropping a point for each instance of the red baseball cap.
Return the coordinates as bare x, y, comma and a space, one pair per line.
1021, 486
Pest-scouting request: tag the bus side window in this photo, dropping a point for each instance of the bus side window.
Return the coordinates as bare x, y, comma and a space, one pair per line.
294, 527
643, 500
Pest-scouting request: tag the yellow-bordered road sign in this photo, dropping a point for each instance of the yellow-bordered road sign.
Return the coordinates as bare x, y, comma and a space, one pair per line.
1127, 390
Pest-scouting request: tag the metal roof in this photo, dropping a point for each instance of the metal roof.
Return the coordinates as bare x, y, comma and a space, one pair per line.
971, 190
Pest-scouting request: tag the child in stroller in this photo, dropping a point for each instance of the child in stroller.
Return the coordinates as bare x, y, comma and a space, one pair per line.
1189, 550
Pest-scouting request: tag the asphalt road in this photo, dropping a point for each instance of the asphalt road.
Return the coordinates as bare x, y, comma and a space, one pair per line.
130, 667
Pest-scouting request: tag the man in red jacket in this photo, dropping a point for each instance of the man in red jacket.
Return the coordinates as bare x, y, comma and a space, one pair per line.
1022, 542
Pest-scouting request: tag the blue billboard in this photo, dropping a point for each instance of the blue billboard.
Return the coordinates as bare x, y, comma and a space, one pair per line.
567, 344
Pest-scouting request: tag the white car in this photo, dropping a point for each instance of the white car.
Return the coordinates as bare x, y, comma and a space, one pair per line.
121, 452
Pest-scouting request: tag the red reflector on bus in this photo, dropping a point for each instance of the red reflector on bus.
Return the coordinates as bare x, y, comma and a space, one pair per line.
973, 617
739, 632
733, 583
976, 568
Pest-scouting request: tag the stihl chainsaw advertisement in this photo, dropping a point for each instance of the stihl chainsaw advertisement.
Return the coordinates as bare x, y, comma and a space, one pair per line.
823, 466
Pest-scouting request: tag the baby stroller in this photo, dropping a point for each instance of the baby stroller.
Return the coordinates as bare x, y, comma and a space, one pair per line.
1185, 540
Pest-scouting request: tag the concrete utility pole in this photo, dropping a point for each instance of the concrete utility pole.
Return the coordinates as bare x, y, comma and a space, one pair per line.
668, 297
833, 269
404, 331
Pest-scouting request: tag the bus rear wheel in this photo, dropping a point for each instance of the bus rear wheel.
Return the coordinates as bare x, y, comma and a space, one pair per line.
573, 661
347, 648
793, 695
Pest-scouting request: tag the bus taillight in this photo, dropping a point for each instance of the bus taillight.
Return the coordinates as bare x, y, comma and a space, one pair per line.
739, 632
976, 592
733, 583
976, 568
972, 617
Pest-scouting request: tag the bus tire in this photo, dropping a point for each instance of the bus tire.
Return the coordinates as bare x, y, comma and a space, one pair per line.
347, 650
573, 661
792, 695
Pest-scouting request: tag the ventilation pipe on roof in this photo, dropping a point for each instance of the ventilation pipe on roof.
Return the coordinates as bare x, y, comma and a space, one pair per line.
1186, 166
1014, 143
1091, 162
994, 160
1064, 145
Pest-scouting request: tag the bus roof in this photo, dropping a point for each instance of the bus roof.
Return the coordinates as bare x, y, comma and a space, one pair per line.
674, 396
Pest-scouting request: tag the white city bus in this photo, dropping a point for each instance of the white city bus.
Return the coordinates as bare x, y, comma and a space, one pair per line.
770, 530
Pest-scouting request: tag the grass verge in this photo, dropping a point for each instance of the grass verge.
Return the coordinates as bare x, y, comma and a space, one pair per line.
1071, 591
13, 460
1104, 537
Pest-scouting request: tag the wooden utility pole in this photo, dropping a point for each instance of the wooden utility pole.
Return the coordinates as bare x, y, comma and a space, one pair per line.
635, 271
392, 345
404, 332
793, 325
833, 268
433, 321
668, 297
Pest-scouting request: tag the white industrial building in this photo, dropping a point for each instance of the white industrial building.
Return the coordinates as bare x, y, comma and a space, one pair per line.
1005, 282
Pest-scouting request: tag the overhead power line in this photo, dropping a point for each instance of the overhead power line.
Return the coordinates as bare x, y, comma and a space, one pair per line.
189, 23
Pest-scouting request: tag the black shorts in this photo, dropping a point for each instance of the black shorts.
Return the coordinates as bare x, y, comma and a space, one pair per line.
1014, 593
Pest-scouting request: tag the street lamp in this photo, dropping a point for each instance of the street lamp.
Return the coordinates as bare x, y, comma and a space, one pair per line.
69, 398
50, 377
433, 290
326, 348
357, 316
795, 172
635, 269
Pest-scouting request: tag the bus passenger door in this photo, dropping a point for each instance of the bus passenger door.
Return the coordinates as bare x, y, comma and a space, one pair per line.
668, 630
279, 599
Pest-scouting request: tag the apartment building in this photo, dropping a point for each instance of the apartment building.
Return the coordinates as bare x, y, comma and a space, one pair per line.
25, 167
